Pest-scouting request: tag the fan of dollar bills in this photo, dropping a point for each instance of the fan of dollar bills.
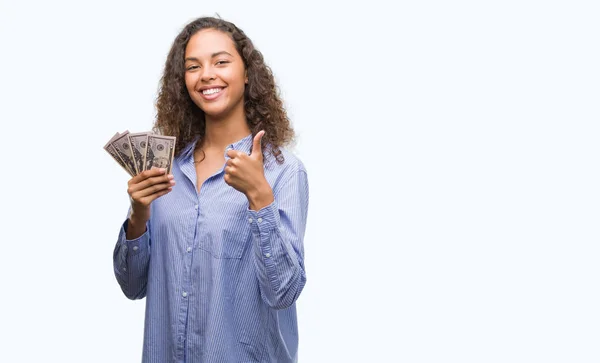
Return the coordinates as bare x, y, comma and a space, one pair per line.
141, 151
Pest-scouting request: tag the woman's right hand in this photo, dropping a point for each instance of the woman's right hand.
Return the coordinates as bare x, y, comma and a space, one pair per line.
144, 188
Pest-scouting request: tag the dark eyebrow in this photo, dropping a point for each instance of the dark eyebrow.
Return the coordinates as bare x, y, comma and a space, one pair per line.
194, 59
220, 53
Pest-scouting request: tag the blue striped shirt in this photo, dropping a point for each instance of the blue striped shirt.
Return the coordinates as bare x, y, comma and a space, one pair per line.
220, 280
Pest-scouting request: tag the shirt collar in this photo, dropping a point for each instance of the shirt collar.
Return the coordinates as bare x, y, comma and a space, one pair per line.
188, 151
244, 145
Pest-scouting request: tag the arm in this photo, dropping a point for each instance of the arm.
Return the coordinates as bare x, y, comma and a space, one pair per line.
131, 259
131, 256
278, 247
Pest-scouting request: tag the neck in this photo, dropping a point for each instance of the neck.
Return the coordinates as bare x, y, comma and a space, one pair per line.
220, 132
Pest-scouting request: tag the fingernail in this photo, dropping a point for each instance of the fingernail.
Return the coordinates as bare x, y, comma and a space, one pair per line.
172, 182
170, 176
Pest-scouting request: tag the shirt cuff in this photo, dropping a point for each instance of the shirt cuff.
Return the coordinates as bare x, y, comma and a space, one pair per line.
136, 245
262, 222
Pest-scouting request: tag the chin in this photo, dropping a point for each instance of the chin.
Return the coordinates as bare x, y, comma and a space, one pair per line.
210, 108
215, 113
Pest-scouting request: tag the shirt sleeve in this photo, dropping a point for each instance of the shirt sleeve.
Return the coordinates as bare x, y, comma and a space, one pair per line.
278, 242
130, 260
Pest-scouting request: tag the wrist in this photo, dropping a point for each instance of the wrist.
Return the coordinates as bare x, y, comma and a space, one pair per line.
136, 227
260, 197
137, 219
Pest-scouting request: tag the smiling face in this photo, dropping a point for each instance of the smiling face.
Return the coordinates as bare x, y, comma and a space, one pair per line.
215, 75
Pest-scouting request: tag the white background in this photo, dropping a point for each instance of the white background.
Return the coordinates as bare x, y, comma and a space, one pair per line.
452, 153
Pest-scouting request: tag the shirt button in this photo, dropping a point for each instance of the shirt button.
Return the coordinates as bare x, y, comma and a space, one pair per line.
267, 255
135, 248
250, 220
189, 249
259, 220
196, 207
184, 294
124, 268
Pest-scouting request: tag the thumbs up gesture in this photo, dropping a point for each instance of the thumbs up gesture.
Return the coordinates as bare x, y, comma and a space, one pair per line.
245, 173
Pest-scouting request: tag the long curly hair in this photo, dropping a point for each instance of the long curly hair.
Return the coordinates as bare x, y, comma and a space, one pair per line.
177, 115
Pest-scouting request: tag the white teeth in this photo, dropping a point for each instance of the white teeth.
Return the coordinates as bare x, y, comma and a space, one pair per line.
211, 91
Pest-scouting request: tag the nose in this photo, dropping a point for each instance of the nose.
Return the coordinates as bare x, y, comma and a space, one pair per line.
208, 74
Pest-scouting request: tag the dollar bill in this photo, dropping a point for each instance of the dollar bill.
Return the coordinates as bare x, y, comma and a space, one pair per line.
111, 150
116, 136
159, 152
138, 142
123, 148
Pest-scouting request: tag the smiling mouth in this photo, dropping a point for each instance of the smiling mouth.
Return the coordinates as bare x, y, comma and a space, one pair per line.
211, 91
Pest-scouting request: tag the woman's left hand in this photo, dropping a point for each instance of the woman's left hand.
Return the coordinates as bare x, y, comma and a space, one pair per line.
245, 173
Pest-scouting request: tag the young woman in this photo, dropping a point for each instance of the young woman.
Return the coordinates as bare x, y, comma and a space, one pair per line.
216, 247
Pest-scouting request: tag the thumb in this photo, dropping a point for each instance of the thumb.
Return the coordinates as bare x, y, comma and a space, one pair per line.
256, 146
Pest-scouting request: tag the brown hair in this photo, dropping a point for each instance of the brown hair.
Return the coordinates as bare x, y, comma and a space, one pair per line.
177, 115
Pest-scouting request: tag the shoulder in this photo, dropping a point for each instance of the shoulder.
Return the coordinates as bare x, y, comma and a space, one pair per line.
291, 162
291, 167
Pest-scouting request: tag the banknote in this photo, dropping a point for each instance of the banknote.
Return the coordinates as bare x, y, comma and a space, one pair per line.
111, 150
123, 149
138, 142
160, 150
131, 151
